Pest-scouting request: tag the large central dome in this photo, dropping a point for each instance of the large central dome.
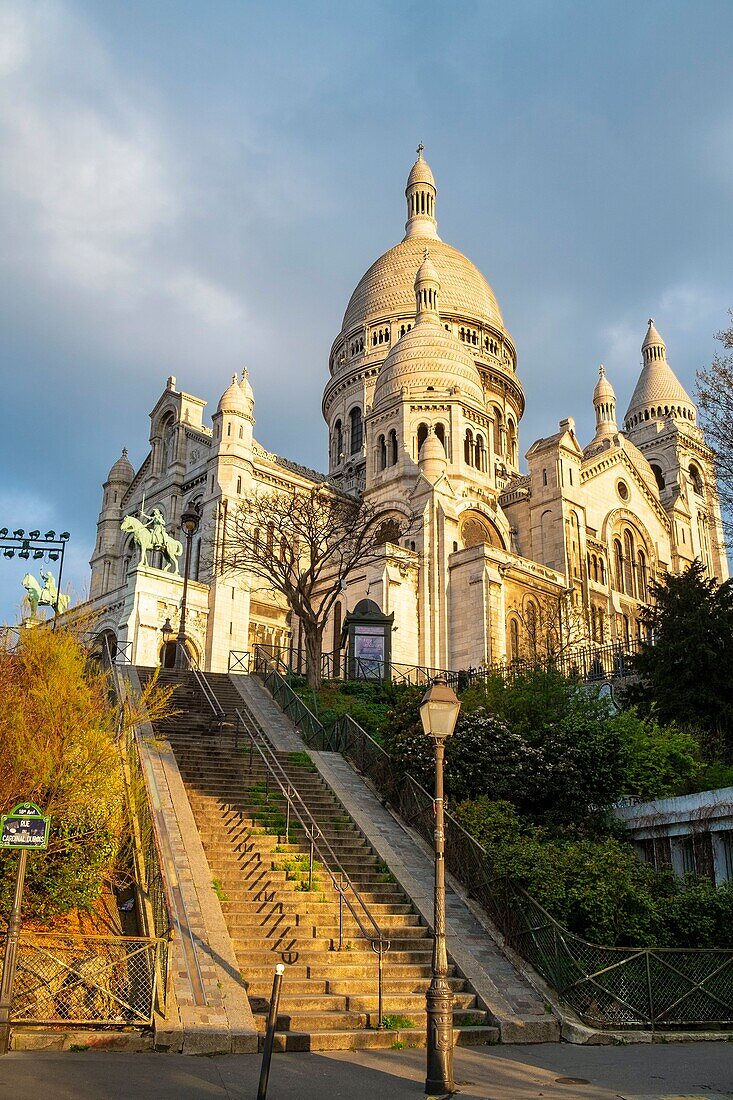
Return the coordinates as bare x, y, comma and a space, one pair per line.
387, 287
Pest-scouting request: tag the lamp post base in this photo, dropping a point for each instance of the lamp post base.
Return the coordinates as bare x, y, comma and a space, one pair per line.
439, 1005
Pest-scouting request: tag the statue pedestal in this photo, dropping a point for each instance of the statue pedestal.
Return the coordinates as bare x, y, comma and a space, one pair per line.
153, 596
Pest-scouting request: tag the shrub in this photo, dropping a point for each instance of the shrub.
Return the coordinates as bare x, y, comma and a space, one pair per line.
58, 730
597, 887
659, 761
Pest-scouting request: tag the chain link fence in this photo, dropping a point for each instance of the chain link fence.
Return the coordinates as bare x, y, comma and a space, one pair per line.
85, 980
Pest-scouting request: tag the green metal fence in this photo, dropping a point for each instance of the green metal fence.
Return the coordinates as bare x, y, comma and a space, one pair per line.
608, 987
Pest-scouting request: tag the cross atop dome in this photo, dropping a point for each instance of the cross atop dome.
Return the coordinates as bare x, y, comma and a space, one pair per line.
419, 151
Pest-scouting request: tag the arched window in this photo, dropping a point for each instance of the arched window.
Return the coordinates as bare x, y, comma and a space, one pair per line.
498, 422
514, 639
601, 571
532, 628
468, 448
338, 441
642, 579
381, 453
511, 442
696, 479
629, 562
356, 425
618, 558
480, 453
440, 432
574, 548
168, 437
239, 486
658, 476
422, 435
392, 448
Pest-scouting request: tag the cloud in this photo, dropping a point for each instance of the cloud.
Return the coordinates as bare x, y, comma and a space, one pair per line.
93, 189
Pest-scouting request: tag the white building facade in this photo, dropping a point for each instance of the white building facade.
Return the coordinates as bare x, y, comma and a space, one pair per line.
423, 406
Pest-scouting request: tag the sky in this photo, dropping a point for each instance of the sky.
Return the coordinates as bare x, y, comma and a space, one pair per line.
190, 188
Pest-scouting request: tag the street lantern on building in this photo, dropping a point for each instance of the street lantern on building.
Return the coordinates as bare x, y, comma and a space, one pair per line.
190, 520
439, 714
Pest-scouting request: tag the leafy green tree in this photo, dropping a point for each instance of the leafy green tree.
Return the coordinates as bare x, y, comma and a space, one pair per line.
659, 761
686, 675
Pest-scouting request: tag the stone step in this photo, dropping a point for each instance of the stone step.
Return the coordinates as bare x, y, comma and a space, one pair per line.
383, 1039
310, 955
336, 971
253, 940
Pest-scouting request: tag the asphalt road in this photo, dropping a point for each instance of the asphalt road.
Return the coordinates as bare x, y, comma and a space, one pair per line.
703, 1071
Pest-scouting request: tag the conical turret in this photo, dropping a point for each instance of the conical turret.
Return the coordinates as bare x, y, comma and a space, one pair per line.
659, 394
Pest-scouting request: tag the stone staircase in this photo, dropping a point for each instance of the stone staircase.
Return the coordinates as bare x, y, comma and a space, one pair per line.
276, 912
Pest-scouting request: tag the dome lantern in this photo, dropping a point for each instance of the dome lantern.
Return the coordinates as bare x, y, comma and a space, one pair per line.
604, 402
427, 287
421, 194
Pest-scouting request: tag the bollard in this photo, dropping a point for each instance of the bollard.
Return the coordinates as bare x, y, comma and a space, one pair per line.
270, 1032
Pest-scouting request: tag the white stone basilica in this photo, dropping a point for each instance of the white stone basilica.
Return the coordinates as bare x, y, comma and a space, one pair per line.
423, 406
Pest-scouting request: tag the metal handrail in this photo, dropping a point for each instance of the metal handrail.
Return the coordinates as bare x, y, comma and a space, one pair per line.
210, 698
313, 833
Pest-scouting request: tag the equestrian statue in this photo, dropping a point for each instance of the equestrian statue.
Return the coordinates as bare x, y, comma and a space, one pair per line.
45, 594
153, 536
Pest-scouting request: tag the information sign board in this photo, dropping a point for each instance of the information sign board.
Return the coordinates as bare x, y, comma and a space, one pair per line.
24, 827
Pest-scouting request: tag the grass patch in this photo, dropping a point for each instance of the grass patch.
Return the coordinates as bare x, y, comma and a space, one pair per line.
301, 760
219, 890
397, 1023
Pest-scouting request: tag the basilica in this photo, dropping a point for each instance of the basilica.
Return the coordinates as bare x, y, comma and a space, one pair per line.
423, 405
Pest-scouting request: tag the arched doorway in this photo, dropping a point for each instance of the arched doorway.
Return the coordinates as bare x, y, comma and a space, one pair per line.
167, 655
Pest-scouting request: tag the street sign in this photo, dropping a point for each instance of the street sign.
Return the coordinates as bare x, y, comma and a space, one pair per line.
24, 827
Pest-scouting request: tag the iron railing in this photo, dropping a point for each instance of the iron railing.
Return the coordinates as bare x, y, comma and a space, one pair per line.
318, 846
590, 664
99, 981
291, 704
608, 987
218, 716
240, 660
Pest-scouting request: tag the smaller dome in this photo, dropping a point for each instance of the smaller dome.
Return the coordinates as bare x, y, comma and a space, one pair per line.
235, 398
122, 469
426, 358
420, 171
432, 457
604, 390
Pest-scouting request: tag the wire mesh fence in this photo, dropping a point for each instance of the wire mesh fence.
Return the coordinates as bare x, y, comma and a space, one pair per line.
85, 980
608, 987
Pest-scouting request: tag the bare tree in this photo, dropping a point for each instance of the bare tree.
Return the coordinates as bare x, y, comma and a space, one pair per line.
715, 398
555, 625
305, 544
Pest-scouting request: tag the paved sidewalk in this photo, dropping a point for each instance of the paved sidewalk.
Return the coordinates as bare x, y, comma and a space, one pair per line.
694, 1071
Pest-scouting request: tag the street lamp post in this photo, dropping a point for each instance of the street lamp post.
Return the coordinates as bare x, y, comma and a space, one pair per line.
190, 523
439, 713
37, 546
